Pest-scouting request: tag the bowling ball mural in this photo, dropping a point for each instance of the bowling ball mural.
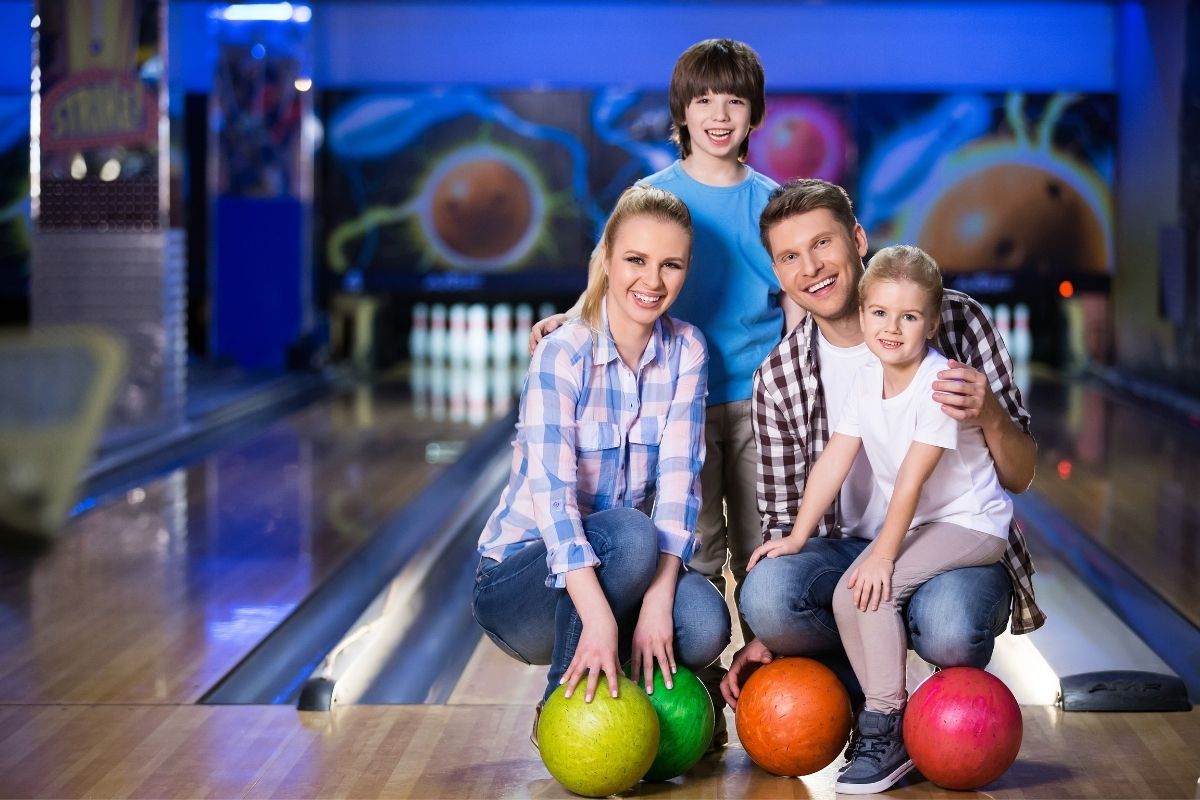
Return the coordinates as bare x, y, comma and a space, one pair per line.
804, 137
1007, 183
631, 138
457, 180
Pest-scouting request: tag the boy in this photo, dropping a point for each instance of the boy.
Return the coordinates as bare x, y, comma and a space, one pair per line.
717, 97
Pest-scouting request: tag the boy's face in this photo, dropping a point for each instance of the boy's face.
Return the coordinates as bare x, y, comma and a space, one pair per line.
717, 124
896, 322
818, 262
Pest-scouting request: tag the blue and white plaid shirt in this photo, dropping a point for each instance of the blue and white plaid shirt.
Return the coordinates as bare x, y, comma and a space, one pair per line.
593, 435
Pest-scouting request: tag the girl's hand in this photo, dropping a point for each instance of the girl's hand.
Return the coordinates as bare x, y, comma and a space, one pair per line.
595, 653
871, 582
653, 640
777, 547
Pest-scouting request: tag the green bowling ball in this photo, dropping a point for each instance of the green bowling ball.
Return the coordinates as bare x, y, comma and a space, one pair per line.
685, 723
599, 748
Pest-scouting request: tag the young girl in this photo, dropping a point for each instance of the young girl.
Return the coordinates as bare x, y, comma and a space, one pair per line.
945, 506
583, 559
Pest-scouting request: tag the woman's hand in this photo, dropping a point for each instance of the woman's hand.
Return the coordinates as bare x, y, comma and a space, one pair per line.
775, 548
871, 582
653, 640
596, 653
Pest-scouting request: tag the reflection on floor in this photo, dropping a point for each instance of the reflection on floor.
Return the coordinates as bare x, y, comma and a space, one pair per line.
149, 599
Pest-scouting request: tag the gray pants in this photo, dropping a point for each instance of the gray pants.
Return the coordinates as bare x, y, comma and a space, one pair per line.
876, 642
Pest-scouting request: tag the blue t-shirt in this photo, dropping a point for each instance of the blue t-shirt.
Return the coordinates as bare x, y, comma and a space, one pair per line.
730, 293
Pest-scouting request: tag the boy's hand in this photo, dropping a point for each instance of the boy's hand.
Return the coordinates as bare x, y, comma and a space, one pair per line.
543, 327
752, 656
871, 582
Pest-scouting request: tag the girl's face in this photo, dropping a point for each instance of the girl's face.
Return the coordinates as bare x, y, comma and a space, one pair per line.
646, 267
896, 322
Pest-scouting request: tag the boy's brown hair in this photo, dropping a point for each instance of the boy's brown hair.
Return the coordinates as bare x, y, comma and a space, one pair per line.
722, 66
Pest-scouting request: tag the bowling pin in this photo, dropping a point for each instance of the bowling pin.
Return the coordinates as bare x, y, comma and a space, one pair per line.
439, 388
437, 333
546, 310
521, 328
456, 339
418, 337
1004, 324
477, 395
987, 309
1022, 340
502, 334
457, 391
502, 387
477, 336
419, 382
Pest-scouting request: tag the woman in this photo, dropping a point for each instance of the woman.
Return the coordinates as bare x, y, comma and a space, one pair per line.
583, 559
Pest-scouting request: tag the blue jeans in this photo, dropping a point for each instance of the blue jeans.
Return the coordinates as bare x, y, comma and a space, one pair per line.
952, 619
538, 624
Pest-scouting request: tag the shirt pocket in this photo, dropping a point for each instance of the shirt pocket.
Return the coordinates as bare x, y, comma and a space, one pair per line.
598, 446
644, 439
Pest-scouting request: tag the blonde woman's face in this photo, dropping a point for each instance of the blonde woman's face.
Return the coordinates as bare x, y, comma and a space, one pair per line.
646, 267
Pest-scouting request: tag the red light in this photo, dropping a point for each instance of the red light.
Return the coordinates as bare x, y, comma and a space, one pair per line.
1064, 469
1066, 289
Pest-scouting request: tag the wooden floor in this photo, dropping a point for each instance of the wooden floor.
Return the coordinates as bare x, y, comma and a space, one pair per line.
482, 751
153, 596
106, 644
1126, 475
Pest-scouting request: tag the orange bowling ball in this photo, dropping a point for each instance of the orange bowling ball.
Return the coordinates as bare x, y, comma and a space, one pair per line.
793, 716
482, 208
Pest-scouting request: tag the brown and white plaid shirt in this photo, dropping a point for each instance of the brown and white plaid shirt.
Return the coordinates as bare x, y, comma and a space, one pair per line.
791, 426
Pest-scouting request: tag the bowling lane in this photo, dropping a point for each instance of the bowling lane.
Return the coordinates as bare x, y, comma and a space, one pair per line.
1125, 474
152, 596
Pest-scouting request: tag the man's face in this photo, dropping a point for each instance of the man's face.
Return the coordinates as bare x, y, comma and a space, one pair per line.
818, 262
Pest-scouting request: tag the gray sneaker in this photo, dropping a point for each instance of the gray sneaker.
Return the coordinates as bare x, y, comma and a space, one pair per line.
879, 759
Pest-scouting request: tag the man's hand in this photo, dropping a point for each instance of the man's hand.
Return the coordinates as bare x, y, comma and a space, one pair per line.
752, 656
965, 395
543, 327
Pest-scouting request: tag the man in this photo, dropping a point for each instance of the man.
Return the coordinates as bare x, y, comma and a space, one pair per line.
816, 247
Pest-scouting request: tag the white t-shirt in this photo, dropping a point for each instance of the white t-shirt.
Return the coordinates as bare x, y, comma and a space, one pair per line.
861, 510
964, 488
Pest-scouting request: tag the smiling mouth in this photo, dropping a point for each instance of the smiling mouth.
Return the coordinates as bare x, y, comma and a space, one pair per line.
817, 287
888, 344
720, 134
647, 299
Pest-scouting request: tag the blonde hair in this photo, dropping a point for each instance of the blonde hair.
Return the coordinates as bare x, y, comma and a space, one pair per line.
904, 262
636, 201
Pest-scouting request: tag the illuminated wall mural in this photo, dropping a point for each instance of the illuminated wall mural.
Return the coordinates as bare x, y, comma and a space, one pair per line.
471, 181
1002, 182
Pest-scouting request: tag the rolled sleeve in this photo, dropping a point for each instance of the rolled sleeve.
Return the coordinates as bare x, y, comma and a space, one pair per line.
550, 431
